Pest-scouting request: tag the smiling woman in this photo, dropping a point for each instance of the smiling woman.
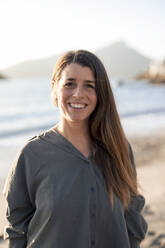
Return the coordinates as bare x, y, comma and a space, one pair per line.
75, 185
75, 94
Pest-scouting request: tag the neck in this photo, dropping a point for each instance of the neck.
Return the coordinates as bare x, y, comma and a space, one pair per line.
73, 131
77, 134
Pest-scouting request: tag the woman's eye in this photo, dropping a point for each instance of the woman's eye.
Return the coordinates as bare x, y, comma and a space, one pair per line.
68, 84
91, 86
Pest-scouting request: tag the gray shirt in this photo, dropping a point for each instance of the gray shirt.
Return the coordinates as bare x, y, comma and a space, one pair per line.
57, 199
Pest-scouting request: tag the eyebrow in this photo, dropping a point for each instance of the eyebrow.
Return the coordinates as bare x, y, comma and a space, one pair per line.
87, 81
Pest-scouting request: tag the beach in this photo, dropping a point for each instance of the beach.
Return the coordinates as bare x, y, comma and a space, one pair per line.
149, 153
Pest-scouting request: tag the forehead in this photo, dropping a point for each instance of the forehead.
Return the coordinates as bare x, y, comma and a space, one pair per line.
77, 72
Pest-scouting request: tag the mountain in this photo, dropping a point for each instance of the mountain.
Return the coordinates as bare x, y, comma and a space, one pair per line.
32, 68
121, 62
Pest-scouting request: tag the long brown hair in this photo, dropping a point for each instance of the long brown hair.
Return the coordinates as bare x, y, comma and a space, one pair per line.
111, 148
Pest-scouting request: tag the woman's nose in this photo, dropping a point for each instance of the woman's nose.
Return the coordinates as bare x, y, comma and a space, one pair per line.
78, 92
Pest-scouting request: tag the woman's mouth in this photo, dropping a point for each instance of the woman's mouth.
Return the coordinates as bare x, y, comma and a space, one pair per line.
77, 105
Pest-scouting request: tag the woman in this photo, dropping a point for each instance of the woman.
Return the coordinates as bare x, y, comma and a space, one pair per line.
75, 185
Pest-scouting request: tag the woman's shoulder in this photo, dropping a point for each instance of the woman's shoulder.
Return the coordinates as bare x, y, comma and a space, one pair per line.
32, 154
39, 141
37, 145
30, 144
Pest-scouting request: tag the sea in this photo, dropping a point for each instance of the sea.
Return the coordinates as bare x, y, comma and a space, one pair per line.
26, 110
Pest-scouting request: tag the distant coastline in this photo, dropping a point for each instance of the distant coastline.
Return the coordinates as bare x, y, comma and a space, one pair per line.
155, 73
155, 79
2, 76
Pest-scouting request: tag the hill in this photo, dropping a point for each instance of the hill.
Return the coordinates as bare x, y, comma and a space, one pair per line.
32, 68
120, 61
123, 62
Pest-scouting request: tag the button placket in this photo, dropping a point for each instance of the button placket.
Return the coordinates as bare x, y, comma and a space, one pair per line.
93, 215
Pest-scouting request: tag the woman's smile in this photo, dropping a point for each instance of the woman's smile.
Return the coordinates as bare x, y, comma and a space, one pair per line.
77, 106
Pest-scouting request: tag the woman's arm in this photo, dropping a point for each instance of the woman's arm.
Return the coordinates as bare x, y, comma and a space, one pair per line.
136, 224
19, 207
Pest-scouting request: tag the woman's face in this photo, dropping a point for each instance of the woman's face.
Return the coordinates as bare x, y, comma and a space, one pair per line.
75, 93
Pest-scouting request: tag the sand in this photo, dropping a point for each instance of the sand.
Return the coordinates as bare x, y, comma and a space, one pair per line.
149, 152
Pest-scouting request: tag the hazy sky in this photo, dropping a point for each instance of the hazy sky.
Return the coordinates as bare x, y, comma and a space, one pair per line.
37, 28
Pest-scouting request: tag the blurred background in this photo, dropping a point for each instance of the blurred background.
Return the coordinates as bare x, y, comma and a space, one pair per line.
128, 36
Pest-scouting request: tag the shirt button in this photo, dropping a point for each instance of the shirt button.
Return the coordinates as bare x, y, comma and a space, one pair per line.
93, 215
93, 242
92, 189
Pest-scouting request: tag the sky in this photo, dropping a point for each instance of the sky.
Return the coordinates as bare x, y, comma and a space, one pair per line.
34, 29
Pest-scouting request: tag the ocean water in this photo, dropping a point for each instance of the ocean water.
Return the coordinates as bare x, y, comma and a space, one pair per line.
26, 110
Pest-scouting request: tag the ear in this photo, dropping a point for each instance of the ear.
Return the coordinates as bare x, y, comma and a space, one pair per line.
54, 93
52, 84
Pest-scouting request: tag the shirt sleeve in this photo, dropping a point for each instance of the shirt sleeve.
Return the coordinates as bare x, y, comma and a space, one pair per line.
136, 224
19, 208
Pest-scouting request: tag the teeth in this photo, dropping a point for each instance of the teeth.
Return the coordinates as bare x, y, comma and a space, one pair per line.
77, 105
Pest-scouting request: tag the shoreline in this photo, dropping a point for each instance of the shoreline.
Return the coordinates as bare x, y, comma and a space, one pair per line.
148, 149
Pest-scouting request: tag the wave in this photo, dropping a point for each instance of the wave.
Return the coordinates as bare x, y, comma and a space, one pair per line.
144, 112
